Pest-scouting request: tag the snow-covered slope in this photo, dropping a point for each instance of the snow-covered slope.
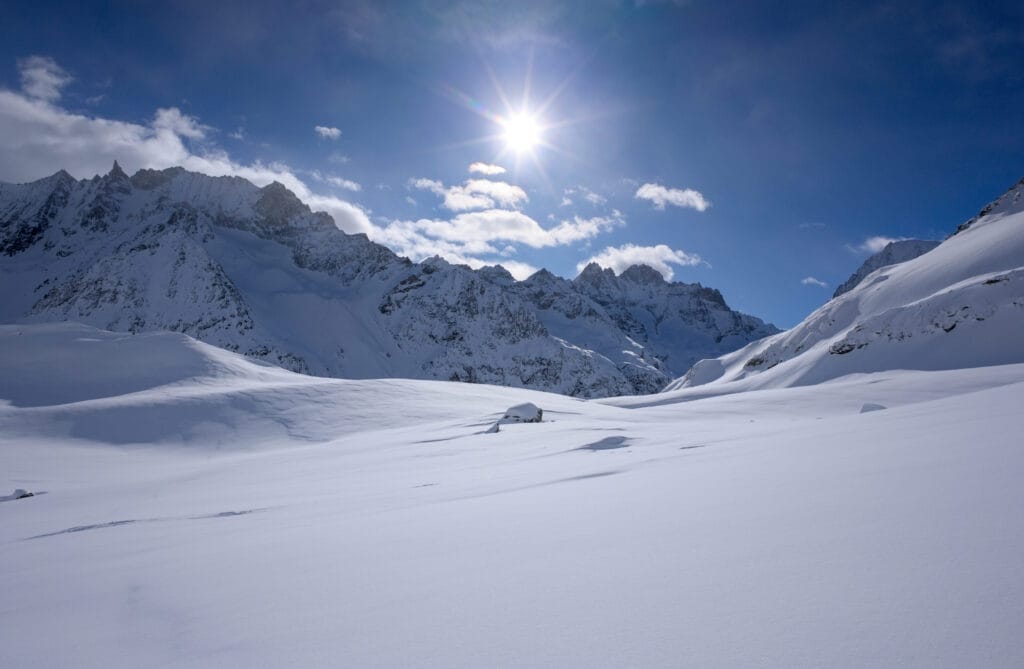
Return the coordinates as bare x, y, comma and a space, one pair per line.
253, 270
959, 305
893, 253
194, 508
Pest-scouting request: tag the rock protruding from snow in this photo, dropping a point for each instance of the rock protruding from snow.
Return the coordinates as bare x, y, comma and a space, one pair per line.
19, 493
893, 253
527, 412
868, 407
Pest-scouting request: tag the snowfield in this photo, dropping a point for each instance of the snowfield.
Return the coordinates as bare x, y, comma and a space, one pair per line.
194, 508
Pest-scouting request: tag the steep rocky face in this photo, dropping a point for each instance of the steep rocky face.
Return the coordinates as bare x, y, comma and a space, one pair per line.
253, 270
679, 323
571, 315
893, 253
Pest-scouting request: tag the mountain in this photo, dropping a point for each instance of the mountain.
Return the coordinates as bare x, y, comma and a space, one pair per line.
254, 271
893, 253
959, 305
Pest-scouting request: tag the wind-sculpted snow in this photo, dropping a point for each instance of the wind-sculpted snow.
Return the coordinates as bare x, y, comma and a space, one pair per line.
253, 270
959, 305
195, 508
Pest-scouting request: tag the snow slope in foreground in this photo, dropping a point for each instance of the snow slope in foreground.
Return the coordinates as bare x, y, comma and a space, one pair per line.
959, 305
200, 510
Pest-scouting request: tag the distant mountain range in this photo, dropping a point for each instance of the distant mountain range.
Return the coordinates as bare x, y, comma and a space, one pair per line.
253, 270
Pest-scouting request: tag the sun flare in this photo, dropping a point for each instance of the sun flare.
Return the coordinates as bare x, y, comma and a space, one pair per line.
522, 133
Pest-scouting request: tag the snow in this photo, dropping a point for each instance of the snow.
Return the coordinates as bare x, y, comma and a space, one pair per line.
843, 494
527, 412
195, 508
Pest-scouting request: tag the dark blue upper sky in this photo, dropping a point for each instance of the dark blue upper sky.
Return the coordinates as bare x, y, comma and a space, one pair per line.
809, 127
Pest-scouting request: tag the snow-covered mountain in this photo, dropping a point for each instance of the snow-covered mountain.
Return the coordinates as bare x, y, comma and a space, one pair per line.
893, 254
253, 270
959, 305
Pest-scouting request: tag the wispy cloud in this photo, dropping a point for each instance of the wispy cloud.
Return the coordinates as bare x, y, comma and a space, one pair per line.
811, 281
659, 196
327, 132
334, 180
585, 193
486, 168
42, 78
660, 257
474, 193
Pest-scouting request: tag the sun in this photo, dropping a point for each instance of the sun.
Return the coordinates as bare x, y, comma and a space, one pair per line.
522, 133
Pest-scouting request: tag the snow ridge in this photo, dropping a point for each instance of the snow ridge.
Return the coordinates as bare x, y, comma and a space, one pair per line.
893, 253
959, 305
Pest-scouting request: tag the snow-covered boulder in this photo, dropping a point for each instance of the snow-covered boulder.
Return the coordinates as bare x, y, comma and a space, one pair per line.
19, 493
527, 412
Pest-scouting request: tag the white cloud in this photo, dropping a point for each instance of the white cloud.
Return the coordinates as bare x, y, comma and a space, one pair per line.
470, 237
37, 138
519, 270
486, 168
876, 243
333, 180
327, 132
660, 196
660, 257
474, 193
174, 121
811, 281
590, 196
340, 182
477, 231
42, 78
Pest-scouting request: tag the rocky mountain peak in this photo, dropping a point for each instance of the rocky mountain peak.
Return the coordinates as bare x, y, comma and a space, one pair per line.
150, 179
116, 173
497, 274
643, 274
594, 275
1010, 202
278, 205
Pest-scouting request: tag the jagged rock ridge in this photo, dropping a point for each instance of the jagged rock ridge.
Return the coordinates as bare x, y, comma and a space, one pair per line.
253, 270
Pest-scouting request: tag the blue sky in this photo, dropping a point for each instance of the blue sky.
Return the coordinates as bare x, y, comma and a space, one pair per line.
768, 142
